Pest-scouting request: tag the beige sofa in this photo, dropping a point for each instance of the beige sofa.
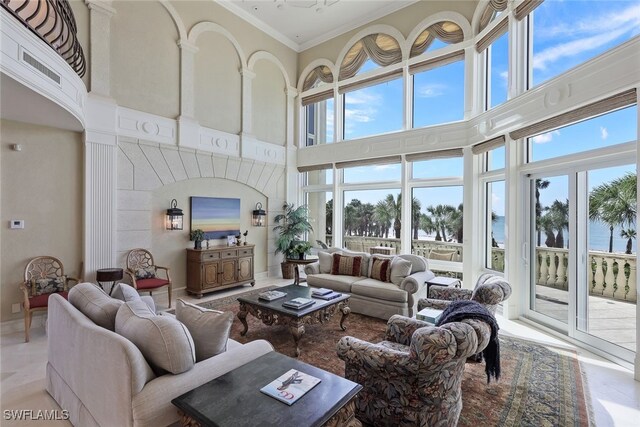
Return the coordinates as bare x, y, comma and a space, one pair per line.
102, 379
373, 297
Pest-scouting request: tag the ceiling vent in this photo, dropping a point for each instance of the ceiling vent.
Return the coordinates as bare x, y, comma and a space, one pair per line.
40, 67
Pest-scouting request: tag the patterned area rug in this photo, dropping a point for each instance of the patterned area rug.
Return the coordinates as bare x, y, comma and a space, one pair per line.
539, 386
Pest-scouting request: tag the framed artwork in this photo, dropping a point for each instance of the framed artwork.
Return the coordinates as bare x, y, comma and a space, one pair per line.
218, 217
231, 240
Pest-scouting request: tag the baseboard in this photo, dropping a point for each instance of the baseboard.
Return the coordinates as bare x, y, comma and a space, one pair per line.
17, 325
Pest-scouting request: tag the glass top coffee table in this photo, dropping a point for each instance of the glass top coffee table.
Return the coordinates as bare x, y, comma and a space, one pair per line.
235, 400
273, 313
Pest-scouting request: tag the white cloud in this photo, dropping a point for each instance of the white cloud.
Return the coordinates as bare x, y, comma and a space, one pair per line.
364, 115
505, 76
384, 167
545, 137
430, 90
594, 32
362, 97
604, 133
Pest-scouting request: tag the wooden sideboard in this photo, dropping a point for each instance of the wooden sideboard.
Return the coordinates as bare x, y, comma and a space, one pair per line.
219, 267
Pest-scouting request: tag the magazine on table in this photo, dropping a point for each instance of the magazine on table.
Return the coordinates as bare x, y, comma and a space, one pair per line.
271, 295
290, 386
329, 296
321, 291
298, 303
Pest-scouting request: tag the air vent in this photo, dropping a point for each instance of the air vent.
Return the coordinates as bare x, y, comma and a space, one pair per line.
40, 67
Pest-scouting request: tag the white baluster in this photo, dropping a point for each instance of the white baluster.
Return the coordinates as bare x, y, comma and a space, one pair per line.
553, 267
543, 268
609, 278
561, 273
598, 290
633, 285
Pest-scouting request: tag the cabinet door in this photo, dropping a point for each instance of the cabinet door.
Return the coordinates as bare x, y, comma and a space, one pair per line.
229, 267
245, 269
210, 277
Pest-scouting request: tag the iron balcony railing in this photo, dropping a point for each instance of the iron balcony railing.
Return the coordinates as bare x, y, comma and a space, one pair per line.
53, 22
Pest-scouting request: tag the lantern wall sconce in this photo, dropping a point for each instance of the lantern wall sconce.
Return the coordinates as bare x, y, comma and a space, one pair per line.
259, 218
174, 217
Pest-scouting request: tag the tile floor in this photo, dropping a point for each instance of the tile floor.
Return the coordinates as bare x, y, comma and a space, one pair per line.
615, 395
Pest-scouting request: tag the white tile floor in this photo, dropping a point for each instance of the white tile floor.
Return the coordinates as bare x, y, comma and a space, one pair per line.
615, 395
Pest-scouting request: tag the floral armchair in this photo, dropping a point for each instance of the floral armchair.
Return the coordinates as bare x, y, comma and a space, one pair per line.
143, 272
414, 376
490, 290
43, 276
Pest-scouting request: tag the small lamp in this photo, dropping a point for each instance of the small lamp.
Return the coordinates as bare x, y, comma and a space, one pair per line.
174, 217
259, 218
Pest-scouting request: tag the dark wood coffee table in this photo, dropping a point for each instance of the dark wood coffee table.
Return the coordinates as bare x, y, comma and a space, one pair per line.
235, 400
273, 313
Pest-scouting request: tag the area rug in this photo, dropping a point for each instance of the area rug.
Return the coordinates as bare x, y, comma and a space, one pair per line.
539, 386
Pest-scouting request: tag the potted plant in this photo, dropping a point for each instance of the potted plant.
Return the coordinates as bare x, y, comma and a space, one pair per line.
301, 249
197, 236
291, 226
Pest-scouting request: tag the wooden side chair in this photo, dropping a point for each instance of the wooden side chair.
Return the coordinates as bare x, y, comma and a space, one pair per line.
143, 272
43, 276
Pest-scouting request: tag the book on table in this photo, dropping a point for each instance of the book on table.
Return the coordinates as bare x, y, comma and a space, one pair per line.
331, 295
271, 295
431, 315
298, 303
321, 291
290, 386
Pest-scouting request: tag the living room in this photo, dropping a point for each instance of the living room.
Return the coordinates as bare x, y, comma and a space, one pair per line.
232, 100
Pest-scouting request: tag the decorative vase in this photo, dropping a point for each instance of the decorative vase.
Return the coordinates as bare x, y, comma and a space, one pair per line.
198, 244
301, 256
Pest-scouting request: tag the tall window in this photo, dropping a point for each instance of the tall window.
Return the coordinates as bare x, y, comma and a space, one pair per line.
319, 122
497, 71
567, 33
320, 205
438, 95
373, 110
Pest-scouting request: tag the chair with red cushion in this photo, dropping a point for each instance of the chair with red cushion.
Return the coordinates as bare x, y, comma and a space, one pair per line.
43, 276
143, 272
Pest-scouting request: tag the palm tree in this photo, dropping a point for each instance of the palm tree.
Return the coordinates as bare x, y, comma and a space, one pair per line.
383, 217
628, 234
558, 215
439, 214
427, 224
615, 203
456, 220
395, 208
541, 184
329, 214
415, 216
545, 224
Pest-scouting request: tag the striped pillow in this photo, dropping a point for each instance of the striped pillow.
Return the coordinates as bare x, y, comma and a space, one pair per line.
346, 265
381, 269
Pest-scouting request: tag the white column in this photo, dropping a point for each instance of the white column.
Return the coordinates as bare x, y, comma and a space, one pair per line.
293, 190
100, 13
338, 114
406, 214
515, 265
518, 57
472, 221
474, 75
408, 98
247, 81
637, 278
188, 126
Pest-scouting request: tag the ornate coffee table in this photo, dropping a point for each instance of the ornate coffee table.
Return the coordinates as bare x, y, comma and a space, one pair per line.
273, 313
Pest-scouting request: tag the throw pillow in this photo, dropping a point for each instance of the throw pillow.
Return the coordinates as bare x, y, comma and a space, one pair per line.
48, 285
145, 273
125, 292
209, 328
94, 303
346, 265
381, 269
325, 261
441, 256
400, 268
164, 342
380, 256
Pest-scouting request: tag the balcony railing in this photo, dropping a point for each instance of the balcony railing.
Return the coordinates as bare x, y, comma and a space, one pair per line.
54, 23
612, 275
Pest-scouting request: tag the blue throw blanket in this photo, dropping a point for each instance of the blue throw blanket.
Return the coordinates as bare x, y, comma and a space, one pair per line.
460, 310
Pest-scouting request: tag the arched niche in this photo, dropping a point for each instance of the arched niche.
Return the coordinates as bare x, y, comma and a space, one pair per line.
168, 247
269, 102
145, 59
217, 83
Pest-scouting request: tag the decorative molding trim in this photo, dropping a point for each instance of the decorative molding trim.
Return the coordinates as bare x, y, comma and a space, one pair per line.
140, 125
219, 142
101, 6
253, 148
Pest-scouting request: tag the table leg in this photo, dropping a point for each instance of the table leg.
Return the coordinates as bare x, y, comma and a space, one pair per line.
242, 315
296, 272
346, 310
297, 330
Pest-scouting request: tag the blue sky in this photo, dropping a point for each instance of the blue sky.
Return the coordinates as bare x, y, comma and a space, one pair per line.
565, 34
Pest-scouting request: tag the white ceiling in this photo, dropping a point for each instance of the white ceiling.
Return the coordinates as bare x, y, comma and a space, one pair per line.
301, 24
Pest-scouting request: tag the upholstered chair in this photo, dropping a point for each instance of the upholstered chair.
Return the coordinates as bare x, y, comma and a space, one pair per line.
490, 290
143, 272
43, 276
413, 377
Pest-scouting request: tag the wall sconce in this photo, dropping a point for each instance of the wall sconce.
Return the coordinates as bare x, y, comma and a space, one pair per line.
174, 217
259, 218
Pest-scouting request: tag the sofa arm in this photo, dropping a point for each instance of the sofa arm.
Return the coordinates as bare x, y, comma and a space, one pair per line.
153, 407
313, 268
415, 286
400, 329
437, 344
449, 294
374, 357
